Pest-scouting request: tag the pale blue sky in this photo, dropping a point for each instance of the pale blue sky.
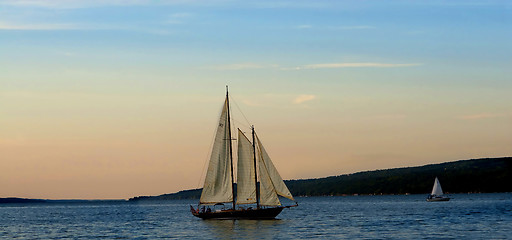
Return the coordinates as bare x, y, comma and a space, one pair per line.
129, 91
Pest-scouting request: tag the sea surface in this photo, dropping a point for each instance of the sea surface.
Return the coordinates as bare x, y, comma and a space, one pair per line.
465, 216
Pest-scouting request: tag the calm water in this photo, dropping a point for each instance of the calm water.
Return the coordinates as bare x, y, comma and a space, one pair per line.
375, 217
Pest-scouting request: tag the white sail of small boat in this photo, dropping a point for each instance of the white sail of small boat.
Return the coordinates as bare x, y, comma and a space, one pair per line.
253, 166
437, 190
437, 193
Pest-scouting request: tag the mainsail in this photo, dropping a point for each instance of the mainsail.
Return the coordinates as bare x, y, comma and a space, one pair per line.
218, 182
246, 182
436, 190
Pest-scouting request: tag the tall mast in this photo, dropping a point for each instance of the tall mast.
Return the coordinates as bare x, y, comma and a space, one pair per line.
230, 149
255, 171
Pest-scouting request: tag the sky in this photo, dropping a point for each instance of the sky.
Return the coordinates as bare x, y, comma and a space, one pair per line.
116, 99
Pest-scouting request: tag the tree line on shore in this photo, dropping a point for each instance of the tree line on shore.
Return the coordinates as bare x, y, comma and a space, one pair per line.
464, 176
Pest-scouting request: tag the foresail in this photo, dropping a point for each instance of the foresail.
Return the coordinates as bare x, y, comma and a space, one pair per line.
436, 190
275, 182
217, 184
246, 184
268, 195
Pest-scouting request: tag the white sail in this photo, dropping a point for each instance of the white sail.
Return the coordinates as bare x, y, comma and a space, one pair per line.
436, 190
246, 182
217, 186
268, 195
271, 183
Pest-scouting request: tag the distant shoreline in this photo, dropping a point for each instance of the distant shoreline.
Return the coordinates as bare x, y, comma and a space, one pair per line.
20, 200
30, 201
17, 200
485, 175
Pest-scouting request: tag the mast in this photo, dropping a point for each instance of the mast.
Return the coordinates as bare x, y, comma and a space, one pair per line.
255, 171
230, 148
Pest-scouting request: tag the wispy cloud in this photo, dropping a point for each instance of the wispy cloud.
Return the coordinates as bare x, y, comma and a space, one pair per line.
356, 27
358, 65
62, 26
77, 4
303, 98
67, 54
70, 4
241, 66
178, 18
390, 117
42, 26
415, 32
5, 26
305, 26
480, 116
279, 100
248, 66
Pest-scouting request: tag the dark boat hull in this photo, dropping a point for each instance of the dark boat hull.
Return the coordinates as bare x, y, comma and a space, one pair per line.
262, 213
438, 199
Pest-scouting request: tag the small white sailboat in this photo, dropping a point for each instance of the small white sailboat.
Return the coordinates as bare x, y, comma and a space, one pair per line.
437, 193
258, 182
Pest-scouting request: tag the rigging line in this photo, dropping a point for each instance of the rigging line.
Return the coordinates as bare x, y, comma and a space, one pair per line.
241, 124
240, 110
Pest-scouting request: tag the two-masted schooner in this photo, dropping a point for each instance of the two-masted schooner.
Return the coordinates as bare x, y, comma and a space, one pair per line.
258, 184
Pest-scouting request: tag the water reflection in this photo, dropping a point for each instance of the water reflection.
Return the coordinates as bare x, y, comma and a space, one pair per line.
245, 229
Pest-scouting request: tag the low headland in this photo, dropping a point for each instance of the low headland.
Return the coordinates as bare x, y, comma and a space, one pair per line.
17, 200
484, 175
20, 200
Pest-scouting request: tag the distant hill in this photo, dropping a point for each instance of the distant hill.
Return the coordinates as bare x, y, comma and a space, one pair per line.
20, 200
464, 176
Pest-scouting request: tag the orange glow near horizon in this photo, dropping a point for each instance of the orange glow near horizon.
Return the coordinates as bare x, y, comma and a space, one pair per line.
124, 154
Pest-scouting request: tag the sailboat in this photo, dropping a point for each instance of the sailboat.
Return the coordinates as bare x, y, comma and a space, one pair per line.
437, 193
258, 186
